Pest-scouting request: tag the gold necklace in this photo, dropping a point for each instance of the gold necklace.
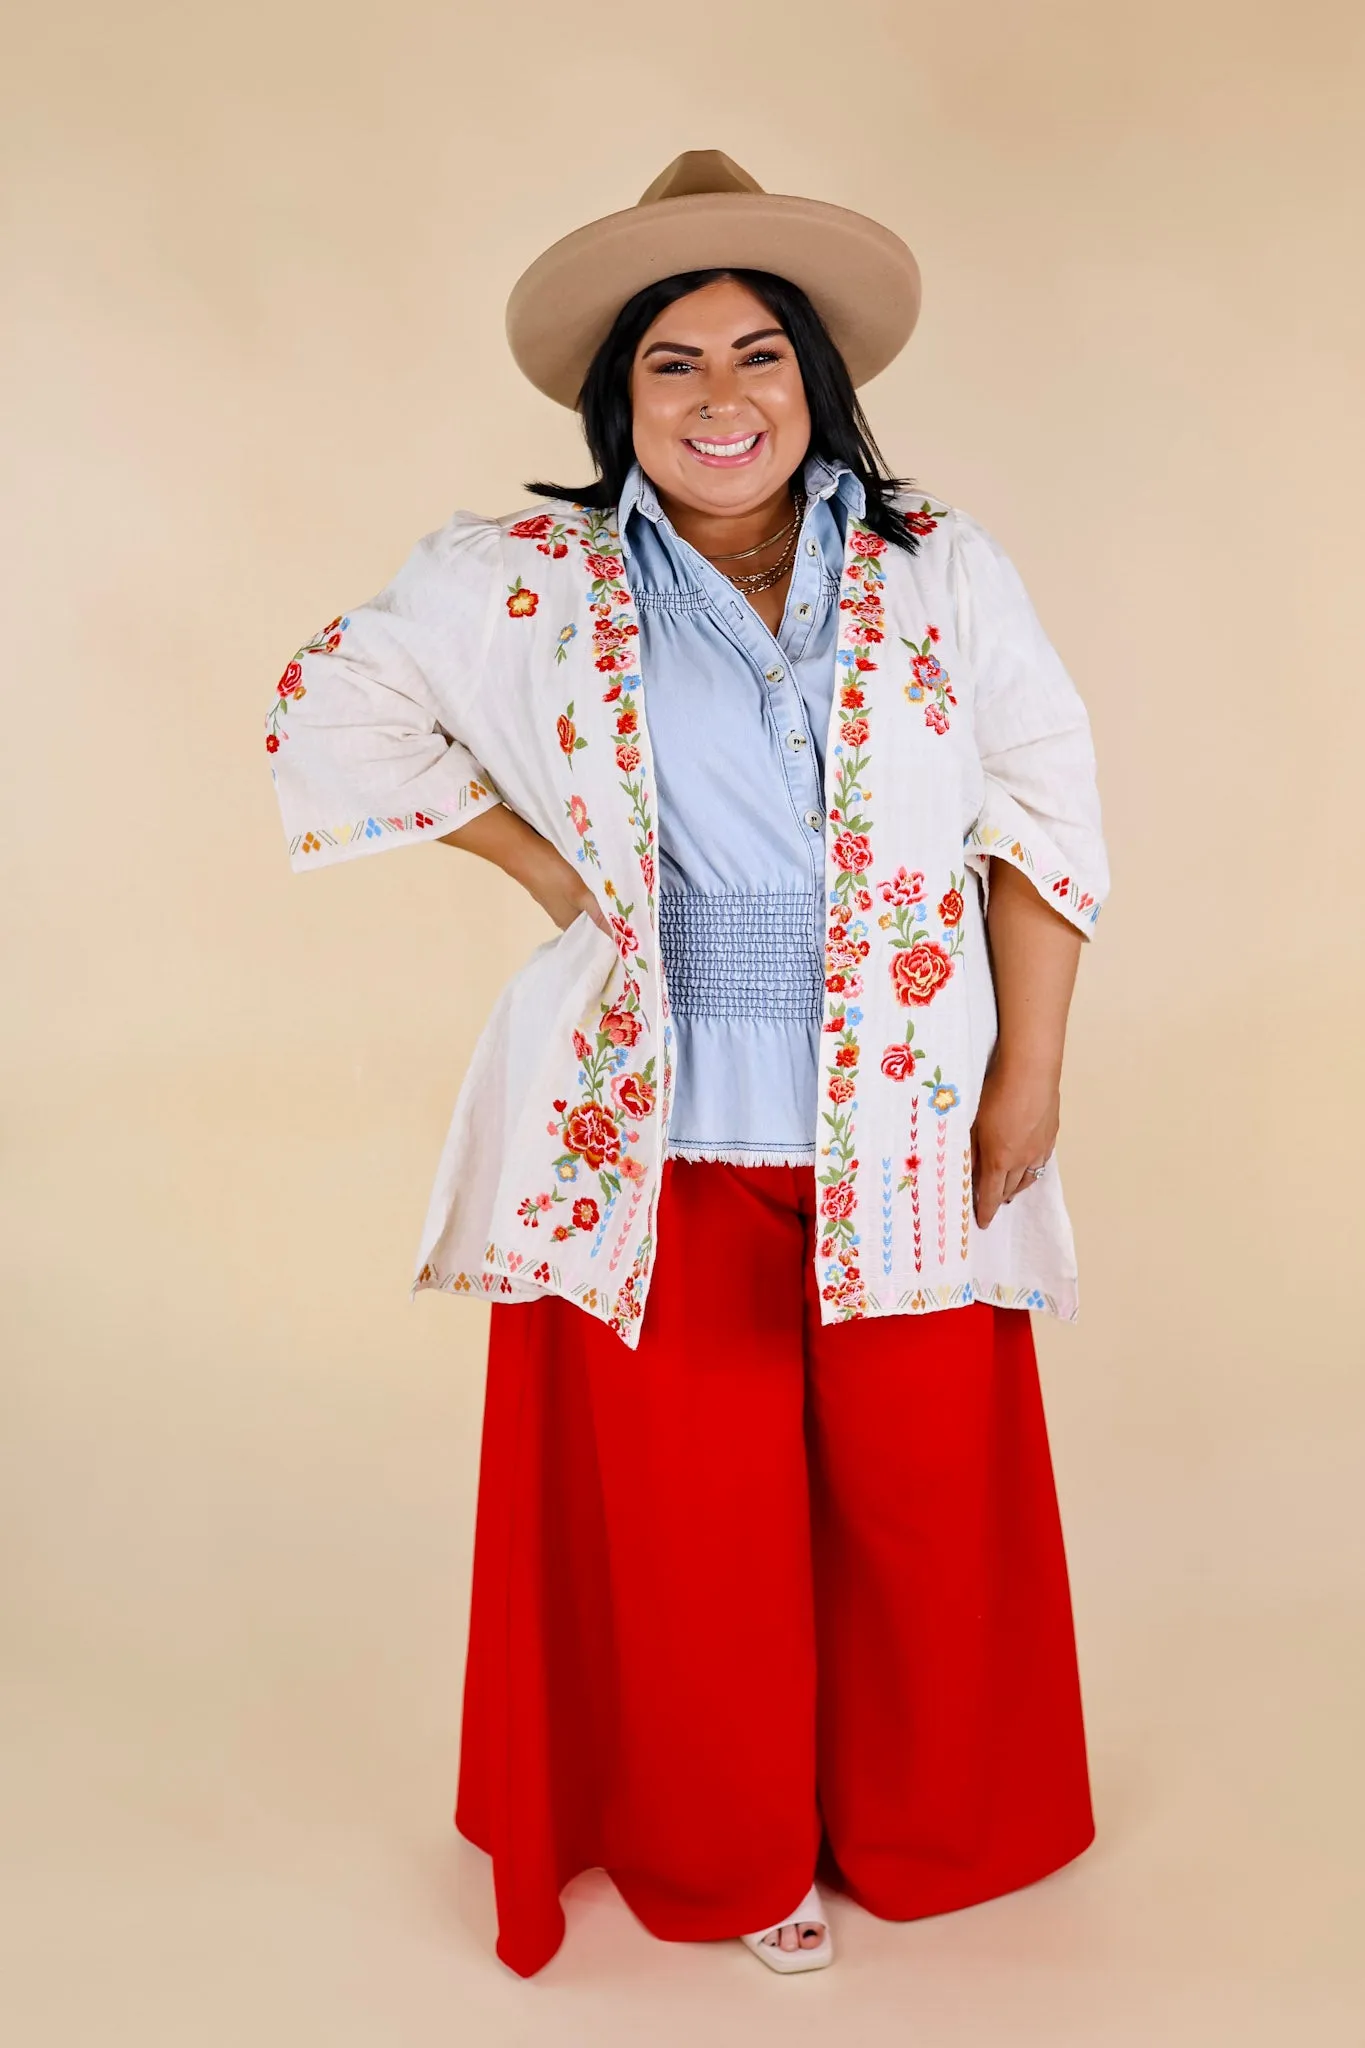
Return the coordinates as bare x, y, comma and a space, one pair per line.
741, 553
751, 581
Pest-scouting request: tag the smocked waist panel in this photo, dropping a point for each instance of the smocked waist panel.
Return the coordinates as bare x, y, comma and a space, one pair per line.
728, 954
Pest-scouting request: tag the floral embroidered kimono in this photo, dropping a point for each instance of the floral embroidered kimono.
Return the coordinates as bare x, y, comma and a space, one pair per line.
501, 665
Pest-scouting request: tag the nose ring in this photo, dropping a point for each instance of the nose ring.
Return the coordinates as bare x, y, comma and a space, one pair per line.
706, 412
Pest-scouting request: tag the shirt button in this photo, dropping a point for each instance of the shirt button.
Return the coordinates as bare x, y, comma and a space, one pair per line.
810, 547
775, 675
796, 740
814, 820
803, 611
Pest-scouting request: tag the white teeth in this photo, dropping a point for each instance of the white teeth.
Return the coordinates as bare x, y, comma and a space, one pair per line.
724, 447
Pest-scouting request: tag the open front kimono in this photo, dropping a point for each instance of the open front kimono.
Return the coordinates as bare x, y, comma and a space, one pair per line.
501, 665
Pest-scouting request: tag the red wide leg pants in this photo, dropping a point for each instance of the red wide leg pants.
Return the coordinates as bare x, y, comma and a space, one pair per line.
763, 1593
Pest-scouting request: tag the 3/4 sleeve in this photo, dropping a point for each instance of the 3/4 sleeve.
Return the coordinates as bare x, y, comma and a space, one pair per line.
363, 730
1041, 808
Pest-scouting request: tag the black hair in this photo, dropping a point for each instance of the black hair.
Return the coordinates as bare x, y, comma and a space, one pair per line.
839, 428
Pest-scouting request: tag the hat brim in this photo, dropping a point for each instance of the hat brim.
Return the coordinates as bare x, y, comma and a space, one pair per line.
862, 280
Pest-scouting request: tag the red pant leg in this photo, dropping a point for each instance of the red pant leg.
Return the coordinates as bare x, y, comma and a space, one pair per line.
952, 1760
640, 1690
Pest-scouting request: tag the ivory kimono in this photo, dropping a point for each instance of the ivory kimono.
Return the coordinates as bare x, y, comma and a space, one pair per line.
501, 665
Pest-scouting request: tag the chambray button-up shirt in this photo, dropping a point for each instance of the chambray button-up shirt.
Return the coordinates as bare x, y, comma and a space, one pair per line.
738, 717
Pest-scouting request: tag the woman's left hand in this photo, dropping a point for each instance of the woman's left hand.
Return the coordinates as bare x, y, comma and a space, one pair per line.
1015, 1130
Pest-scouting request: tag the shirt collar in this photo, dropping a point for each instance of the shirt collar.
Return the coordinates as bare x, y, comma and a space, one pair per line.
821, 479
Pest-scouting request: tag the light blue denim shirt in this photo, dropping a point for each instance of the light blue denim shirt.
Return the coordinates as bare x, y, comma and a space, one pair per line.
737, 719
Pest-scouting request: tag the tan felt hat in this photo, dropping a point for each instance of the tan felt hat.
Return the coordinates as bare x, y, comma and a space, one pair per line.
702, 213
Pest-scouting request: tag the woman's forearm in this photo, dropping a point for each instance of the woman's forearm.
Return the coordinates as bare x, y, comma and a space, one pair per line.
1034, 951
500, 836
1034, 955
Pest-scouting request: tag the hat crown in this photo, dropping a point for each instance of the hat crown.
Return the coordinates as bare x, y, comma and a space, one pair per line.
699, 170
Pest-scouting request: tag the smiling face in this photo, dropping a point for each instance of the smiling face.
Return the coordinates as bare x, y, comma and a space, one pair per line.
720, 347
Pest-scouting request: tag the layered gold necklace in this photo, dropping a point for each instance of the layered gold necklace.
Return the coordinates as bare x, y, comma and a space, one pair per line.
752, 580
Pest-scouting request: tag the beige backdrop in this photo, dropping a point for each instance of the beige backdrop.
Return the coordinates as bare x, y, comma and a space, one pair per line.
256, 261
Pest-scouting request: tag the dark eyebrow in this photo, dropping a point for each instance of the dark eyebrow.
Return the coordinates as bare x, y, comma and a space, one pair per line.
680, 348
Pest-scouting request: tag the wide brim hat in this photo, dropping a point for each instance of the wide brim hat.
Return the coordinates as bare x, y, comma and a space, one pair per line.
705, 212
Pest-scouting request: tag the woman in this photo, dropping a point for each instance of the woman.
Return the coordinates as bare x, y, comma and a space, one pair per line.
753, 1159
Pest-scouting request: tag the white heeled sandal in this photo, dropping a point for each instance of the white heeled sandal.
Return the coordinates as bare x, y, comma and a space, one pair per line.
811, 1908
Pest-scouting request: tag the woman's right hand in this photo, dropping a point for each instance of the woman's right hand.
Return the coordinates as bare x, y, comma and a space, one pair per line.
558, 886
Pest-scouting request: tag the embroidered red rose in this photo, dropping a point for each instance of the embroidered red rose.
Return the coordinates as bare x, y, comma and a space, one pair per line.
918, 972
626, 942
920, 523
904, 887
853, 732
847, 1056
608, 567
951, 907
627, 759
289, 680
272, 745
521, 602
626, 722
847, 1295
851, 697
610, 696
898, 1063
585, 1213
633, 1095
593, 1133
864, 903
567, 734
621, 1026
580, 1045
852, 852
838, 1201
842, 1088
925, 668
868, 543
534, 528
647, 870
862, 662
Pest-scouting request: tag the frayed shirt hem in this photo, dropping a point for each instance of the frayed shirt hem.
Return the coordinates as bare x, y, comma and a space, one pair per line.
744, 1155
